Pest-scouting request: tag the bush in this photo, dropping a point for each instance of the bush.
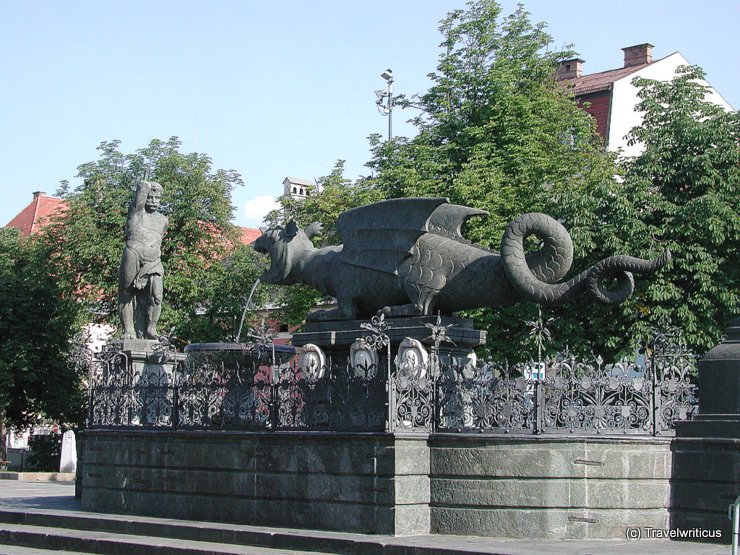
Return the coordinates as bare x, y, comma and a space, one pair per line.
46, 451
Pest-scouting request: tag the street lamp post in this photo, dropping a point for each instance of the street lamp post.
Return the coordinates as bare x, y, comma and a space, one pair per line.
386, 108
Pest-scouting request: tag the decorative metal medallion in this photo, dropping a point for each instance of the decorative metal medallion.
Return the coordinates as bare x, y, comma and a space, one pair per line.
363, 358
412, 360
312, 362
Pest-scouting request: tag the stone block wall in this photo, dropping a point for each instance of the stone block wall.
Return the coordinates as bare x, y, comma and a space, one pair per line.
548, 487
706, 477
371, 483
552, 487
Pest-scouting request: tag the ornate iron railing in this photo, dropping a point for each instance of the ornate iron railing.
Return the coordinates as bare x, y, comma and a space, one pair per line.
247, 390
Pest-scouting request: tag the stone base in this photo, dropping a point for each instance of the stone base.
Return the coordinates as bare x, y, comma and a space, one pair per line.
368, 483
706, 473
725, 426
38, 476
706, 451
379, 483
144, 362
548, 487
141, 347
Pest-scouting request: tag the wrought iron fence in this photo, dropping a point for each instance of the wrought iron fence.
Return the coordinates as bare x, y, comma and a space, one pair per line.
247, 390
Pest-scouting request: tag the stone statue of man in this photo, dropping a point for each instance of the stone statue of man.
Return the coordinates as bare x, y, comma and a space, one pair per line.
140, 275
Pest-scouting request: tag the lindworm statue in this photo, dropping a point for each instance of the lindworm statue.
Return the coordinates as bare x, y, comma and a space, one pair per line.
409, 258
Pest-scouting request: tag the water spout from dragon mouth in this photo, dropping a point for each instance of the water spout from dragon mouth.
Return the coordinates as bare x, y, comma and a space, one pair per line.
246, 308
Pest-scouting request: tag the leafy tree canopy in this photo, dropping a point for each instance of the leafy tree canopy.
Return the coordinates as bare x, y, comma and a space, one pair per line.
495, 131
681, 193
36, 376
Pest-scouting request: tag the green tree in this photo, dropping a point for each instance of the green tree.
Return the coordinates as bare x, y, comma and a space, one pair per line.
226, 292
680, 193
36, 377
87, 240
495, 131
683, 190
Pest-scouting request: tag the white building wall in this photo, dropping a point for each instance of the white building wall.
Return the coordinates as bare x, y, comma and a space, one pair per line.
624, 117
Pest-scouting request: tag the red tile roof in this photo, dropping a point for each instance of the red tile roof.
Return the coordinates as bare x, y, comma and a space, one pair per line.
601, 81
249, 235
37, 214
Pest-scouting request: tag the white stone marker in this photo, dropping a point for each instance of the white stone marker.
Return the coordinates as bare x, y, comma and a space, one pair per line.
68, 460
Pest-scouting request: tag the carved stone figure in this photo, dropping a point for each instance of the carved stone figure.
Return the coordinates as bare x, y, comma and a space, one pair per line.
140, 274
408, 258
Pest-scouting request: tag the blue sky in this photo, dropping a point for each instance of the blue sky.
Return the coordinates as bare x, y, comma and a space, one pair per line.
271, 89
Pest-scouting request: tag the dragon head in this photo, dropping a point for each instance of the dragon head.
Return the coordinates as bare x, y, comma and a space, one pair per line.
286, 246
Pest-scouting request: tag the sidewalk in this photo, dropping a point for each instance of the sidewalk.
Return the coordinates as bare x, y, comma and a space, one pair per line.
58, 497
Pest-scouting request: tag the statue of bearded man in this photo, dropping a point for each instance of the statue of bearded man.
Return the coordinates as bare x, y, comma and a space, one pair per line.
140, 275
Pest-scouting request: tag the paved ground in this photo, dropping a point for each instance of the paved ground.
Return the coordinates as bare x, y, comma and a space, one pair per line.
59, 496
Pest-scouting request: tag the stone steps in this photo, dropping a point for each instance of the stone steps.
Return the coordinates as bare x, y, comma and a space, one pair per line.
18, 550
131, 535
86, 541
38, 476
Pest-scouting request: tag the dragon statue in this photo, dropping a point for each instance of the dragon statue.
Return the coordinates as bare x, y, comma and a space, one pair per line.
408, 257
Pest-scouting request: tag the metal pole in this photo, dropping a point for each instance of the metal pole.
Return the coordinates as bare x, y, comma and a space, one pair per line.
390, 109
387, 109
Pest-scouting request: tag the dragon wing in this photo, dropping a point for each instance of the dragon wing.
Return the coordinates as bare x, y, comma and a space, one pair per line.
448, 219
380, 236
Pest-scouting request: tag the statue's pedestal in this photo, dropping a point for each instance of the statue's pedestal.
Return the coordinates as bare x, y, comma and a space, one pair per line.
337, 337
146, 370
145, 360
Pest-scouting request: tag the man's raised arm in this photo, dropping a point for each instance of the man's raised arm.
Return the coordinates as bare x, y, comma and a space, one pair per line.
142, 192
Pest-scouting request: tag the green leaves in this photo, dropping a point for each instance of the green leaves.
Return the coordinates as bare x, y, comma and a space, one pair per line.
35, 323
691, 164
680, 193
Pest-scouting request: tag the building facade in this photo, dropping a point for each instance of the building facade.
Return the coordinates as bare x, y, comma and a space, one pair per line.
611, 98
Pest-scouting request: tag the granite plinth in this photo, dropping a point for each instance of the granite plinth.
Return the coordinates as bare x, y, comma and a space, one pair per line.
138, 346
706, 451
379, 483
336, 337
243, 351
368, 483
719, 375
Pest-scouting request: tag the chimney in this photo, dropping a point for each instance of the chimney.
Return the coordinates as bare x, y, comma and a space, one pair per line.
638, 55
37, 194
570, 69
